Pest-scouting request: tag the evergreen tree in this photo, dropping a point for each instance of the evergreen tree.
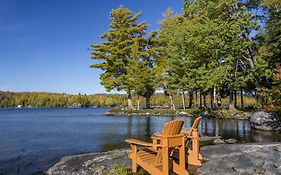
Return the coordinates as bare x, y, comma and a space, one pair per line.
115, 51
271, 38
270, 53
141, 74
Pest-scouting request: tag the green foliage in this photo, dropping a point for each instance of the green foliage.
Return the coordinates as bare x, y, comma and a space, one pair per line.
129, 59
270, 53
274, 93
116, 170
55, 100
121, 170
159, 112
209, 47
115, 52
167, 27
271, 38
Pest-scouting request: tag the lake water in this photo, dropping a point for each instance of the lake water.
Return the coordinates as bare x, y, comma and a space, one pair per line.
31, 140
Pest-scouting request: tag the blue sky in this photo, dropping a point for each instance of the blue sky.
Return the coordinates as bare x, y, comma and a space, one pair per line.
44, 43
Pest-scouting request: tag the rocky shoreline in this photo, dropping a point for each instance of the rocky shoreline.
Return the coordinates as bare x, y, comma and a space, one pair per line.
241, 159
221, 158
223, 114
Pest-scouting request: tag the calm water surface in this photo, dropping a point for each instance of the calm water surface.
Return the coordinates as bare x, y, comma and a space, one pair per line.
31, 140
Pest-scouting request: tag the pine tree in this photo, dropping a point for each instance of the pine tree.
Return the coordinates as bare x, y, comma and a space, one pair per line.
115, 51
271, 39
140, 73
270, 53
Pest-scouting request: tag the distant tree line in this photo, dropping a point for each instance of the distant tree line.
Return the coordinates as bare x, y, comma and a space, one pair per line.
57, 100
63, 100
212, 48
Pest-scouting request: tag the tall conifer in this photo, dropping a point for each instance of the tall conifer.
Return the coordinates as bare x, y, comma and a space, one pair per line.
116, 49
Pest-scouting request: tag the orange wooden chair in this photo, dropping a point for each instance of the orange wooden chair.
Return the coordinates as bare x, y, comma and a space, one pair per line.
192, 144
193, 156
156, 159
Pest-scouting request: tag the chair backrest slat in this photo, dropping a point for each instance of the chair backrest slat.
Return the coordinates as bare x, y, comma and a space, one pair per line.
172, 127
195, 125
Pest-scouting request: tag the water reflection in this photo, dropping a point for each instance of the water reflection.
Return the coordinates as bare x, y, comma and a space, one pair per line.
143, 127
236, 129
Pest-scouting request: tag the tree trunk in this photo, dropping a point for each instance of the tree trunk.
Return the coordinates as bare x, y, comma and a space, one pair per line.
196, 98
215, 97
190, 99
241, 98
200, 96
172, 102
171, 99
235, 99
183, 100
130, 103
204, 96
259, 98
138, 107
231, 105
147, 101
212, 98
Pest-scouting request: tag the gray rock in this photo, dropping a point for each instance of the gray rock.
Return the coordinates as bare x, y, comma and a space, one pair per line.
90, 164
207, 140
241, 159
183, 113
231, 141
229, 159
265, 121
218, 141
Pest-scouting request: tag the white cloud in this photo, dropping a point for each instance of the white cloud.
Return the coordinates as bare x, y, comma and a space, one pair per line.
5, 88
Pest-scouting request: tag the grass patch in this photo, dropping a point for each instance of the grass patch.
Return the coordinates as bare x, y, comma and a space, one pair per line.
117, 170
240, 113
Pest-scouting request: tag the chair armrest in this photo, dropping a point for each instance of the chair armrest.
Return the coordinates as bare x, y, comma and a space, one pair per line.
138, 142
173, 136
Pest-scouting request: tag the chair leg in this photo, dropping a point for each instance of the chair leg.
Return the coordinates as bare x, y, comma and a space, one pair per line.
165, 159
194, 156
180, 167
182, 160
134, 158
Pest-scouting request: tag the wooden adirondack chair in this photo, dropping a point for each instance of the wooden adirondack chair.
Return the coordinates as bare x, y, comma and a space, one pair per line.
192, 144
156, 159
193, 157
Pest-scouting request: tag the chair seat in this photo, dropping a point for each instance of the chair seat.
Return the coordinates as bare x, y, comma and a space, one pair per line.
147, 156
